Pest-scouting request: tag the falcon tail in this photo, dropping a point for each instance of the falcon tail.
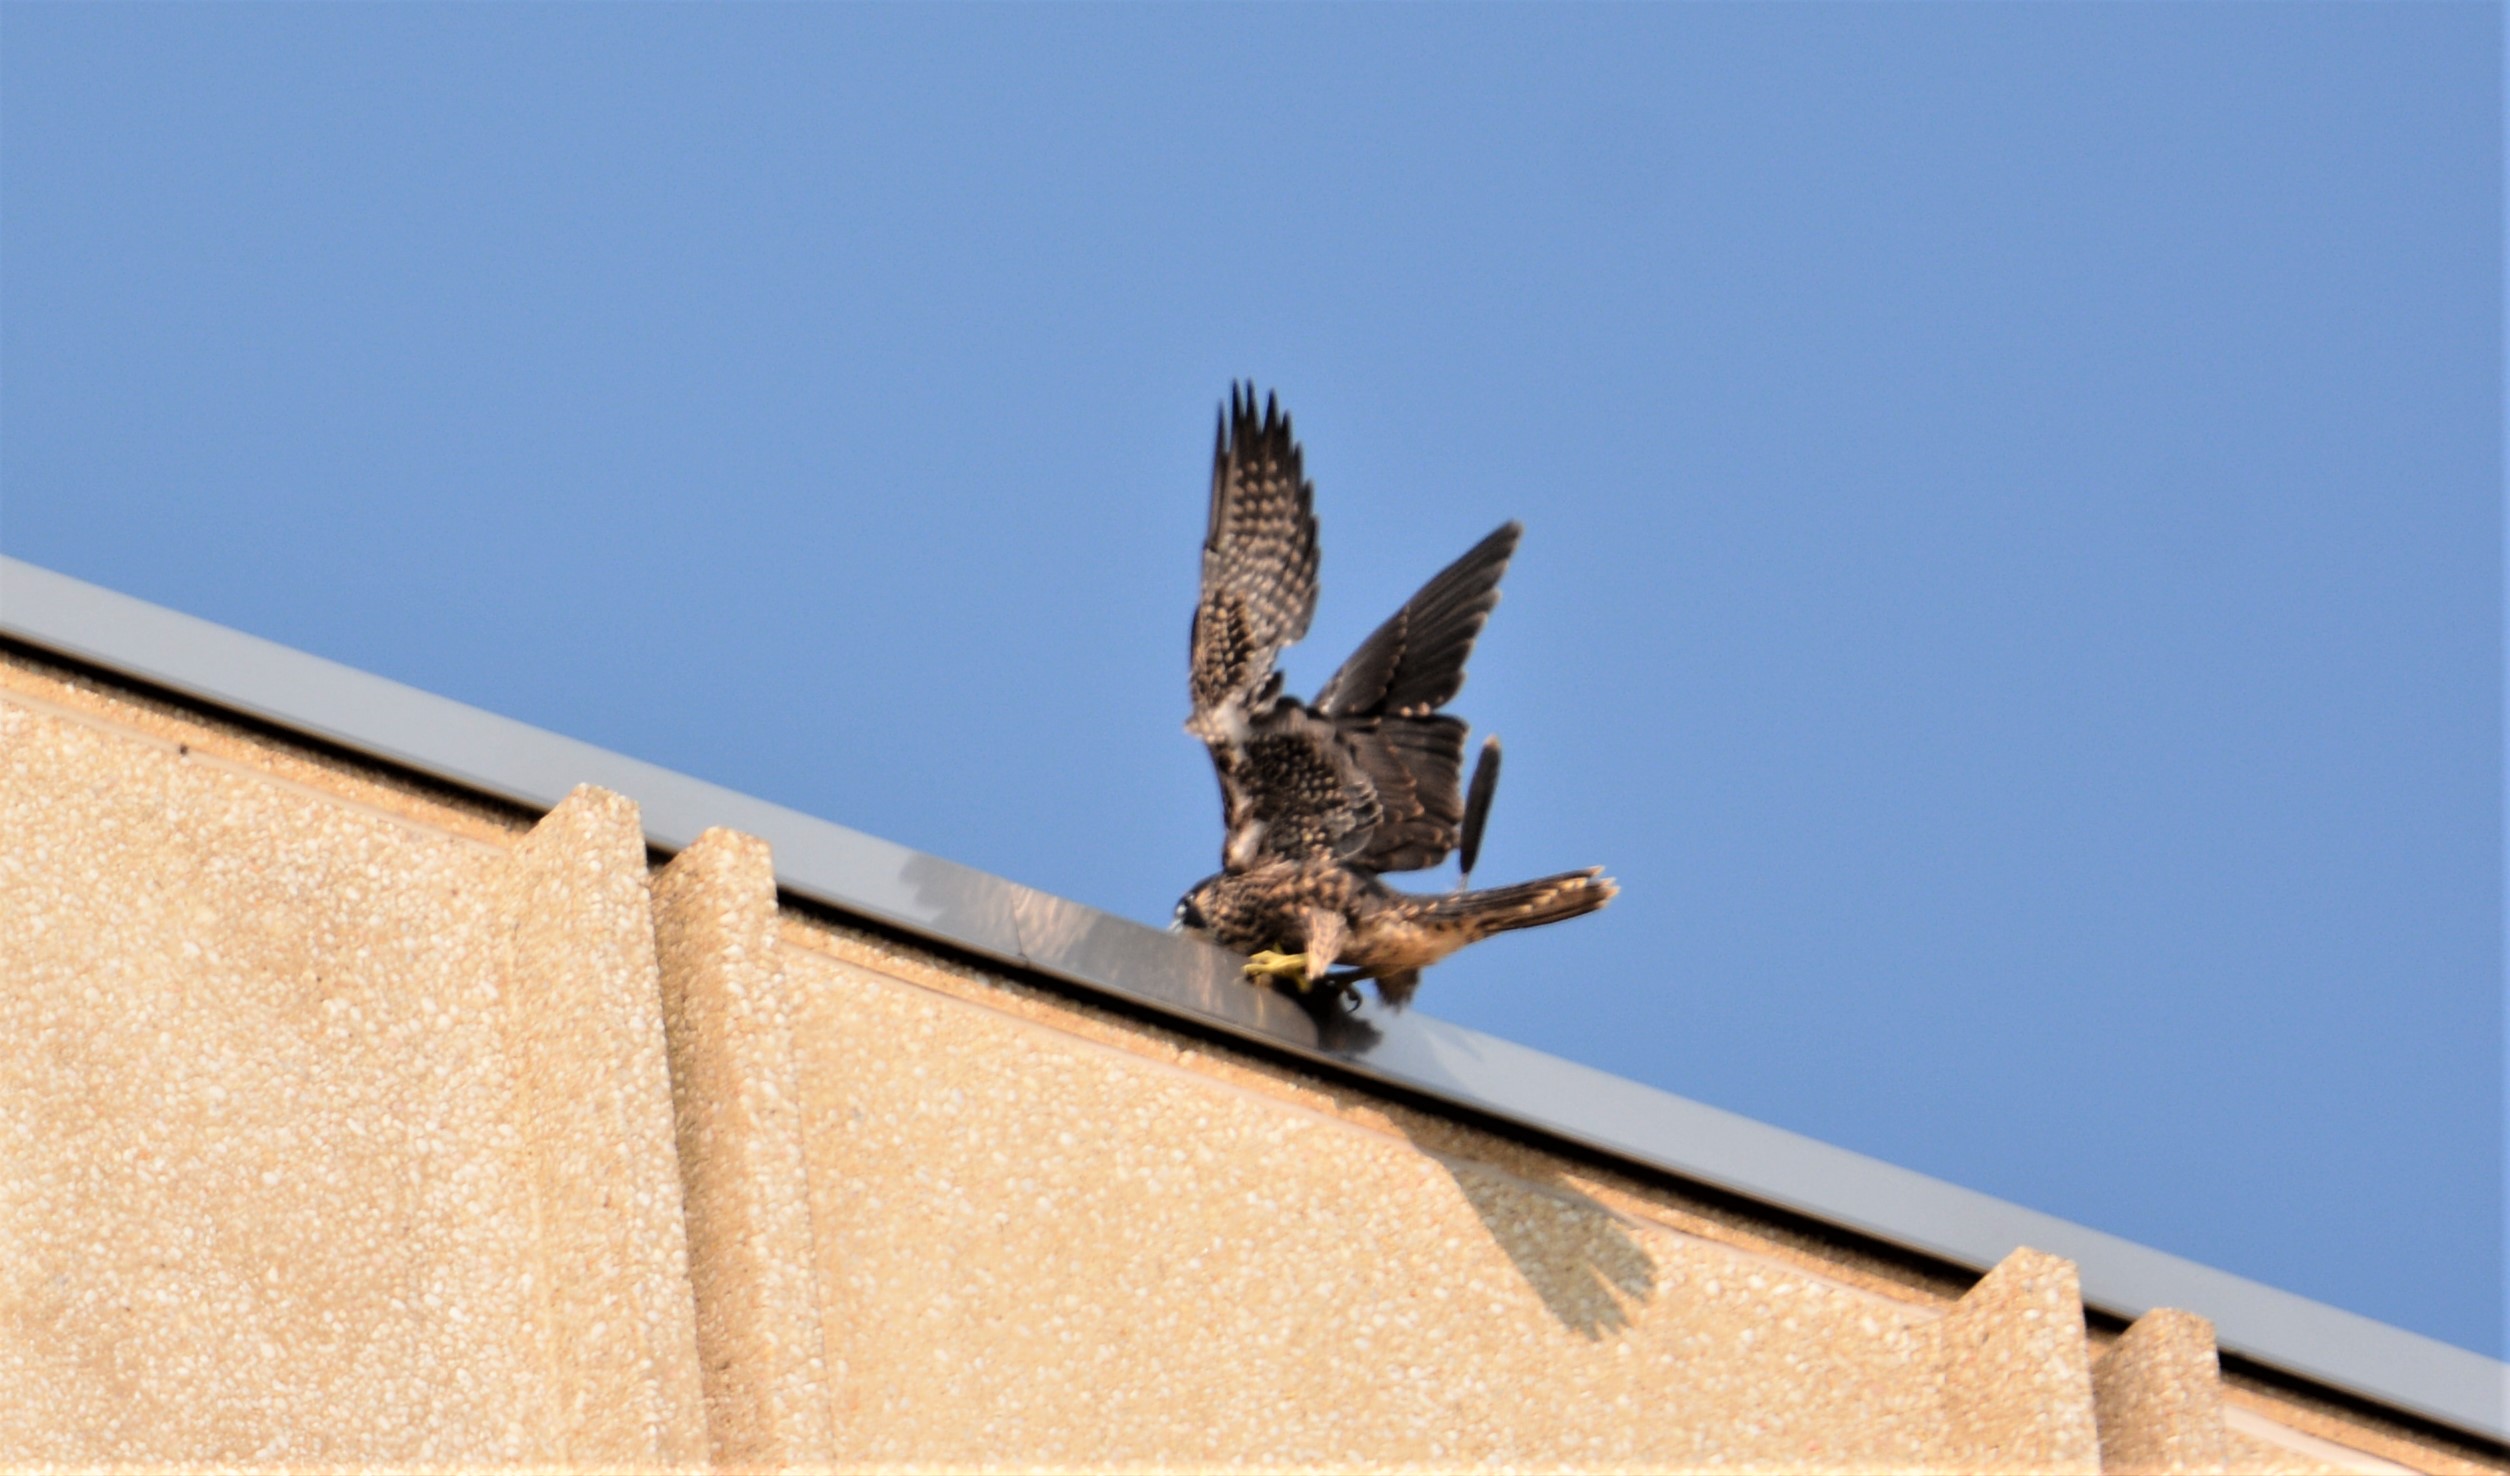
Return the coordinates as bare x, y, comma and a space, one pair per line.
1525, 905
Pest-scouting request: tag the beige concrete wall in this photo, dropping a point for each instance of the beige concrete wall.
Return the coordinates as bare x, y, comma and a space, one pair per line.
356, 1123
325, 1136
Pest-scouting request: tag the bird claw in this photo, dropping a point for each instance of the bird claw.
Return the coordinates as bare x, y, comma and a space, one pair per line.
1287, 966
1345, 989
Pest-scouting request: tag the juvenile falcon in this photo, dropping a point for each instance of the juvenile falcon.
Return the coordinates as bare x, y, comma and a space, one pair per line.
1319, 799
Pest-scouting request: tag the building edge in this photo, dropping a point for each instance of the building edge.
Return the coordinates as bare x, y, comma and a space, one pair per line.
967, 910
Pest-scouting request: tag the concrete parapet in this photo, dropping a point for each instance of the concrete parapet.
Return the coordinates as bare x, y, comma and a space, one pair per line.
2017, 1386
583, 1019
2158, 1391
740, 1137
348, 1124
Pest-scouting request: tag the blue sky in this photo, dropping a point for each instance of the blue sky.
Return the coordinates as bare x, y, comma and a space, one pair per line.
2013, 573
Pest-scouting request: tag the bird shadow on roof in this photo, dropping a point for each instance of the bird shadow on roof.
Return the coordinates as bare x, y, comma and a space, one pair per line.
1581, 1259
1341, 1029
1584, 1261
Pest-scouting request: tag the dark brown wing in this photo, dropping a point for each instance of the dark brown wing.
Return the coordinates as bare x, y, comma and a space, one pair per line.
1414, 663
1295, 791
1259, 565
1411, 764
1385, 703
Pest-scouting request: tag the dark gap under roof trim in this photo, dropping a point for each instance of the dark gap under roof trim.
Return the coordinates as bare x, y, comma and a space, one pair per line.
1001, 920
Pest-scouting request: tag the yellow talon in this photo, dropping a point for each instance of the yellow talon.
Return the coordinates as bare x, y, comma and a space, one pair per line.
1290, 966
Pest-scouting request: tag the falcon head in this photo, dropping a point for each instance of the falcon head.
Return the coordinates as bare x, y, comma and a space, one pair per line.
1190, 916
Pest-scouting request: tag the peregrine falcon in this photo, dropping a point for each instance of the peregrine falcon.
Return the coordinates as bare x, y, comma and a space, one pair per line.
1320, 798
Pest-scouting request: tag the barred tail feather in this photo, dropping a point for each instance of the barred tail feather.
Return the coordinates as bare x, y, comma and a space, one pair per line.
1527, 904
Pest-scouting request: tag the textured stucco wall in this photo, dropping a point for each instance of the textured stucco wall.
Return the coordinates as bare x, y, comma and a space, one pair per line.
283, 1181
1043, 1243
353, 1122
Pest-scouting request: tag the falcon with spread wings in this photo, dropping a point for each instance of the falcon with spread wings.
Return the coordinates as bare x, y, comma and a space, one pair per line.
1321, 798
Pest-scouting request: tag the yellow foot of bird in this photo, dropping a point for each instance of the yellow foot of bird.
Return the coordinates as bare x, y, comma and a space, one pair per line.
1287, 966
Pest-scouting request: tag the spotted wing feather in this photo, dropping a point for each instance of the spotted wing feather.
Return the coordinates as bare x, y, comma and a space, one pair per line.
1289, 788
1259, 564
1298, 793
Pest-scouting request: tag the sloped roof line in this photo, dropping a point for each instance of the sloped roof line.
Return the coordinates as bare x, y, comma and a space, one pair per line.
1002, 920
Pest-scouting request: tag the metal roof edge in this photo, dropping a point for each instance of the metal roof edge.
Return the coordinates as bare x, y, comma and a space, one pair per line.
1003, 920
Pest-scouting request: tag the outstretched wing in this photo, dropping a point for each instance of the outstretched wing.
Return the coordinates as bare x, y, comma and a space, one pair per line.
1259, 565
1288, 787
1414, 663
1384, 704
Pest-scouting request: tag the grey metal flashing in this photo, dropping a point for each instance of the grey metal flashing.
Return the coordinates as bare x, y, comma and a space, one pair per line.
1002, 920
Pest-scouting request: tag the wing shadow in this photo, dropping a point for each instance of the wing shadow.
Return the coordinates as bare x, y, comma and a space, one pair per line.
1580, 1257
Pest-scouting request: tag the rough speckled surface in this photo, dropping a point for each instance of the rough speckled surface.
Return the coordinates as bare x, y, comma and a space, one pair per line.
749, 1228
584, 1022
1034, 1245
266, 1197
2256, 1446
336, 1136
2016, 1370
2158, 1391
